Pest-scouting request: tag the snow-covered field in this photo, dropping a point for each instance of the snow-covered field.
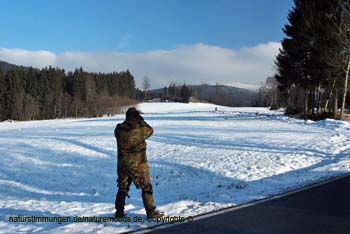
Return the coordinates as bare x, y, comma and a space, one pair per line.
200, 160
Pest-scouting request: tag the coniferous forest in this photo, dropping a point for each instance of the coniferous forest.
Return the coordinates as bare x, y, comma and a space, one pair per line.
27, 93
314, 61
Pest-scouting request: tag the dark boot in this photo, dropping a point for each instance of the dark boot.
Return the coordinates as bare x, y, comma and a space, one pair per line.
147, 198
151, 214
120, 203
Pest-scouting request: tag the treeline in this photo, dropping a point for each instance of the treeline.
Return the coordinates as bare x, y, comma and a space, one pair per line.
314, 62
171, 93
32, 94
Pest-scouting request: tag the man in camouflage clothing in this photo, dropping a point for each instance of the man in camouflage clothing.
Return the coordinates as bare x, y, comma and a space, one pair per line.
132, 162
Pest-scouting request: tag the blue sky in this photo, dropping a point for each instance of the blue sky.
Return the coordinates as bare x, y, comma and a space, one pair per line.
138, 26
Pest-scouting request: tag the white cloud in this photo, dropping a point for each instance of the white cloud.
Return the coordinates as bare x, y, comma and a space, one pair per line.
193, 64
38, 58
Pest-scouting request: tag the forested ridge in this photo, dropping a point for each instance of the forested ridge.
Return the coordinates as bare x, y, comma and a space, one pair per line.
217, 94
27, 93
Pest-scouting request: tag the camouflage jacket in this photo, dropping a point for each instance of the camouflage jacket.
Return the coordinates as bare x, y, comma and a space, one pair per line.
131, 137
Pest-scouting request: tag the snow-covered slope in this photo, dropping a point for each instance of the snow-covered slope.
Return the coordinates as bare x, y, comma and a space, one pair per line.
171, 108
200, 160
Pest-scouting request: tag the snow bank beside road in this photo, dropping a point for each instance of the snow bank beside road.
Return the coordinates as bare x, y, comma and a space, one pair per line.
200, 160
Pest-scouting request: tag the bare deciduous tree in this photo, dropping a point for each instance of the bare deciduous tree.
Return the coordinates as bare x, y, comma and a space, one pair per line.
146, 85
268, 93
341, 34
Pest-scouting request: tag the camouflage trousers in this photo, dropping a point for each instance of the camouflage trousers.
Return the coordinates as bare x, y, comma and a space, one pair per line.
134, 168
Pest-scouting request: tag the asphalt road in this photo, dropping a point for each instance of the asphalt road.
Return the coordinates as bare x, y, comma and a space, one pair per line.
321, 209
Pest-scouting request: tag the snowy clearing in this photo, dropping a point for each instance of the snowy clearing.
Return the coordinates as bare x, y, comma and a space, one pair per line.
200, 160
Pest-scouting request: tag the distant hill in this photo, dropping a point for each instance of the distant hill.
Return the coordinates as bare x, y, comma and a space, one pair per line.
217, 94
4, 66
225, 95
